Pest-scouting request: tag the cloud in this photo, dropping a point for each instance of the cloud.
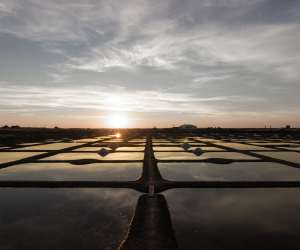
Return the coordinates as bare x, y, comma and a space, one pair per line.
102, 98
118, 99
213, 57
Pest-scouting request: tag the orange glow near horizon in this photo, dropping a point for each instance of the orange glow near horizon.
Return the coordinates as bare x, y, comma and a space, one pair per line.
118, 135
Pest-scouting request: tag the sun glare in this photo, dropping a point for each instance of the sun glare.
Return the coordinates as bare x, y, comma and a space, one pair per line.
117, 121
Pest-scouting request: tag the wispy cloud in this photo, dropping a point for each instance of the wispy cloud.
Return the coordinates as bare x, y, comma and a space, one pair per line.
191, 57
115, 99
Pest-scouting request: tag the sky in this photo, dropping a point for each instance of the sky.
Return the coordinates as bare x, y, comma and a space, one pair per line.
227, 63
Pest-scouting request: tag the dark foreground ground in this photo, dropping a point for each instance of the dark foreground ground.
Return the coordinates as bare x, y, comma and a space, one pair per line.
18, 135
150, 189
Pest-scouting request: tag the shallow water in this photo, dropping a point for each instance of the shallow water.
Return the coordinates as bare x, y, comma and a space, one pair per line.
130, 149
14, 156
239, 171
87, 149
114, 140
67, 171
175, 156
166, 144
137, 141
275, 143
211, 219
110, 156
291, 148
208, 148
52, 146
32, 219
242, 146
235, 219
191, 156
168, 149
288, 156
87, 140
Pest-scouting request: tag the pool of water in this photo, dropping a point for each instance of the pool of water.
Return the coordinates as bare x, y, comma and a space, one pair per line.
160, 140
288, 156
110, 156
191, 156
168, 149
137, 141
14, 156
67, 171
88, 149
165, 144
208, 148
87, 140
114, 140
241, 146
239, 171
275, 143
77, 219
291, 148
196, 144
52, 146
130, 149
175, 156
235, 219
211, 219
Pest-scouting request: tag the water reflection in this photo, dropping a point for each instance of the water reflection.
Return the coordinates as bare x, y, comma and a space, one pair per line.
168, 149
246, 171
87, 140
137, 141
111, 156
99, 218
14, 156
242, 146
235, 219
66, 171
288, 156
191, 156
52, 146
165, 144
275, 143
175, 156
65, 219
291, 148
130, 149
207, 148
87, 149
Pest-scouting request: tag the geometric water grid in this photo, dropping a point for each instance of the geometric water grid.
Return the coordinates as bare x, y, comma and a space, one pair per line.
171, 190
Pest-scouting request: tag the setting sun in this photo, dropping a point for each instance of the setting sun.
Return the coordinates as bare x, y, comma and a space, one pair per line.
117, 121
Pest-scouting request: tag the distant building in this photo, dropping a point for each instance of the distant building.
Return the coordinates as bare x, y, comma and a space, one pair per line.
187, 126
15, 126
